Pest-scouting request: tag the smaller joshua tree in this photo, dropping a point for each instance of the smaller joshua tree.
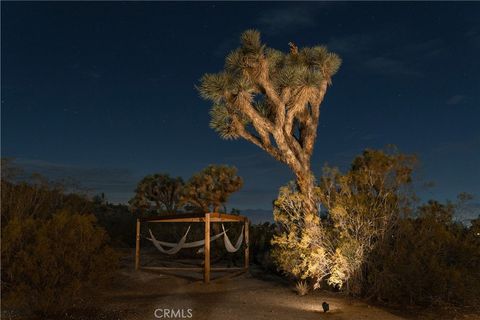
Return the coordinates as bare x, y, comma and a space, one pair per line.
205, 191
272, 99
158, 193
210, 188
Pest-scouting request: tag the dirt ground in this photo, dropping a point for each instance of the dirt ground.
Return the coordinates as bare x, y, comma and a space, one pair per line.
252, 295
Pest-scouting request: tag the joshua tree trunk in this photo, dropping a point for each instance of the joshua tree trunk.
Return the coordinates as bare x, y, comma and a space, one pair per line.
306, 184
293, 130
273, 100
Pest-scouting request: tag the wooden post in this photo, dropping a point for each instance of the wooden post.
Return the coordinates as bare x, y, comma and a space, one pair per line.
247, 243
137, 246
206, 266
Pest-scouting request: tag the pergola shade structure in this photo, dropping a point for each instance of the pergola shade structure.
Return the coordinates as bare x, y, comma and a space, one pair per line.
207, 219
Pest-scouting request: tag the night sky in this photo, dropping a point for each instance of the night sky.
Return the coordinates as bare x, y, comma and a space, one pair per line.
104, 93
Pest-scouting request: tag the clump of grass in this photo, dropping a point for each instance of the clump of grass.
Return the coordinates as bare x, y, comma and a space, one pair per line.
301, 288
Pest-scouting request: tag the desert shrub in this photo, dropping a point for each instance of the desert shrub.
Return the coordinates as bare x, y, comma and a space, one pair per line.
50, 265
260, 244
302, 248
39, 198
54, 255
428, 260
370, 242
118, 221
361, 206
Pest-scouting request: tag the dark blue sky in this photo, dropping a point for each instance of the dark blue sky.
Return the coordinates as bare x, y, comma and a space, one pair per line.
104, 92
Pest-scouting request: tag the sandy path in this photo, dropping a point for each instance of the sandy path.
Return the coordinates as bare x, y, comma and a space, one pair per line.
241, 297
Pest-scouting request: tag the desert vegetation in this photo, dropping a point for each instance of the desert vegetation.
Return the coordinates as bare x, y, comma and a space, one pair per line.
206, 191
343, 230
54, 254
60, 247
358, 232
375, 241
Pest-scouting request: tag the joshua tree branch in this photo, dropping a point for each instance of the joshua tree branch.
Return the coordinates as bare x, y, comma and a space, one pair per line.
296, 104
312, 122
261, 143
243, 102
264, 81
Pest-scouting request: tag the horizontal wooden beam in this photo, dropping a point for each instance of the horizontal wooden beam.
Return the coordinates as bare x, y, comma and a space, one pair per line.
227, 269
174, 216
172, 268
195, 220
189, 269
194, 217
178, 220
224, 216
224, 220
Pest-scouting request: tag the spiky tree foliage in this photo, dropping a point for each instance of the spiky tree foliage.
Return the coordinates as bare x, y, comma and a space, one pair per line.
209, 189
159, 193
272, 99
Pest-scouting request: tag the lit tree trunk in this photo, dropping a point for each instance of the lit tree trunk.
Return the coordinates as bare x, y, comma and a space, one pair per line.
306, 184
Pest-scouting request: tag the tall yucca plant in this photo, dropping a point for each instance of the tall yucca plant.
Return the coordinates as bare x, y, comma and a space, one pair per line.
272, 99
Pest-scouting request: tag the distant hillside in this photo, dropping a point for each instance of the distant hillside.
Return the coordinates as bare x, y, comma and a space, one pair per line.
258, 215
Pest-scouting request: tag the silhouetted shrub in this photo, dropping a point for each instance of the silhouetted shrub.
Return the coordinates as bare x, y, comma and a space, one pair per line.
50, 265
54, 256
118, 221
427, 260
260, 244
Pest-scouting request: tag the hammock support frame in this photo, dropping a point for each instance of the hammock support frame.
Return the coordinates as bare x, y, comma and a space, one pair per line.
207, 219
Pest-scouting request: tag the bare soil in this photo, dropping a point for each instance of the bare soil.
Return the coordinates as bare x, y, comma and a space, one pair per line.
252, 295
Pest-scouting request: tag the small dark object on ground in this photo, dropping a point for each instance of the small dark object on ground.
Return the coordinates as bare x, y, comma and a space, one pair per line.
325, 306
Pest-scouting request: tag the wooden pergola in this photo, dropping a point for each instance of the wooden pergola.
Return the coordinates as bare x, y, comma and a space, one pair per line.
206, 218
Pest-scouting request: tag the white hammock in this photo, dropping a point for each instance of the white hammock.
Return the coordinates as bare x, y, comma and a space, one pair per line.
228, 244
176, 247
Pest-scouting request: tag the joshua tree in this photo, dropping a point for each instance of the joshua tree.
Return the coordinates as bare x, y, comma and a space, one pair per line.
158, 192
272, 99
209, 189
